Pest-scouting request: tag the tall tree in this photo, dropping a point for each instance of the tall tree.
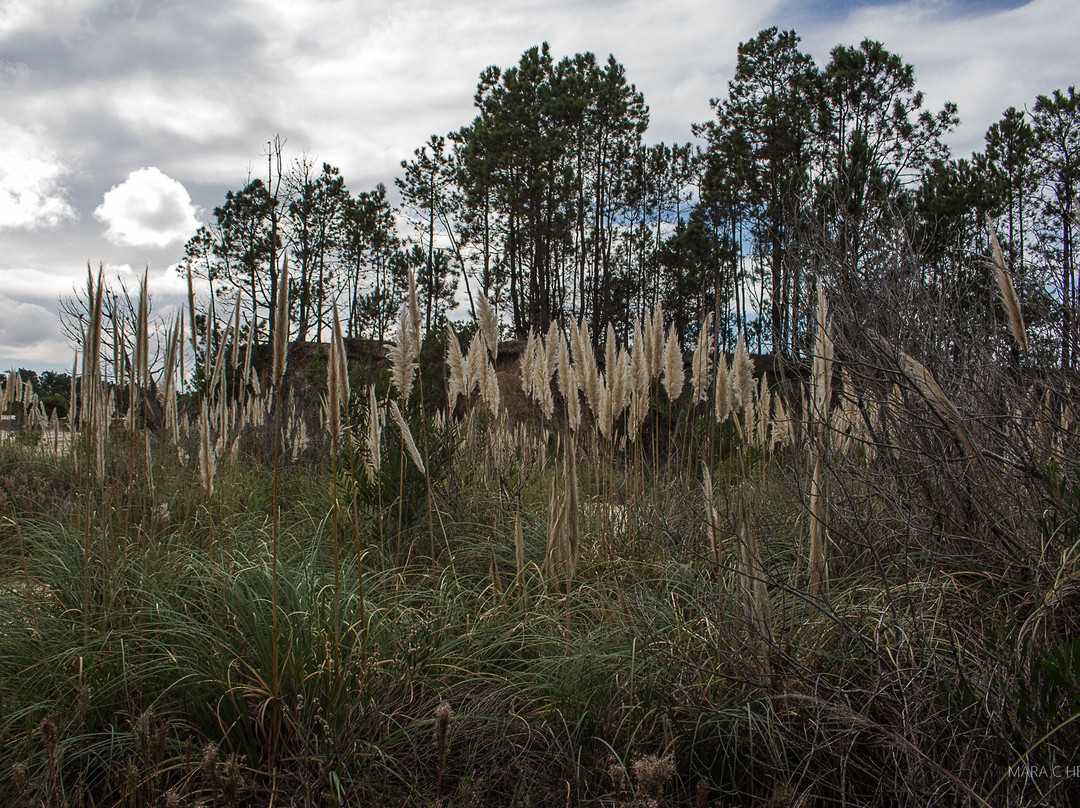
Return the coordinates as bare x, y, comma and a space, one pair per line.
764, 132
430, 202
1057, 129
547, 161
1010, 159
876, 141
370, 253
245, 244
949, 233
316, 202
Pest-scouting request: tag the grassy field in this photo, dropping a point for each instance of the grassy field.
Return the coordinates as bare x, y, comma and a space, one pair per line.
568, 579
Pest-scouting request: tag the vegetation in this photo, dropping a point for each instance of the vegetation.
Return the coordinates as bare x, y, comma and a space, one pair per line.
551, 204
629, 590
585, 566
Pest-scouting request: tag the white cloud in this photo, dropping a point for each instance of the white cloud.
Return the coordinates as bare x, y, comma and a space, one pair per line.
363, 84
55, 17
28, 329
148, 209
194, 108
31, 194
984, 60
30, 285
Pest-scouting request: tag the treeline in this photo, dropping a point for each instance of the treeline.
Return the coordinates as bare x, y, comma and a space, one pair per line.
552, 204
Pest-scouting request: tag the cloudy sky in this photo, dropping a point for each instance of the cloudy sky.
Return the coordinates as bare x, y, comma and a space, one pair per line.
123, 123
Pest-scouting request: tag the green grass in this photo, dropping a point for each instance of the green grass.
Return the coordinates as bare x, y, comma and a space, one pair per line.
137, 656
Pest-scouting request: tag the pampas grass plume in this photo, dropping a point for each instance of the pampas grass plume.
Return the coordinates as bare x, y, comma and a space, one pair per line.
552, 342
620, 383
674, 374
701, 365
402, 354
406, 436
527, 357
281, 324
490, 389
639, 362
414, 316
489, 324
191, 311
1008, 292
456, 363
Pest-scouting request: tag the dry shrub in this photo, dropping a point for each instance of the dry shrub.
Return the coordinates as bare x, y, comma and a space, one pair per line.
940, 468
27, 486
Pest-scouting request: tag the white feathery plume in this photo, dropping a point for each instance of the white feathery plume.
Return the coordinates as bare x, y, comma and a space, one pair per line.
541, 378
603, 415
701, 364
674, 374
527, 356
490, 388
781, 431
281, 325
568, 385
749, 422
253, 380
402, 354
489, 324
1008, 292
333, 402
585, 367
566, 375
475, 359
142, 337
551, 350
742, 376
639, 363
406, 436
456, 363
764, 405
191, 312
639, 409
620, 383
711, 515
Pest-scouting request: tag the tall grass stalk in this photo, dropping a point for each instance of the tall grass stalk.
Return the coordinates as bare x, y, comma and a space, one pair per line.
278, 367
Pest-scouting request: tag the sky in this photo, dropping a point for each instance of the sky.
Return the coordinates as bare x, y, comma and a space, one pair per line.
124, 123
